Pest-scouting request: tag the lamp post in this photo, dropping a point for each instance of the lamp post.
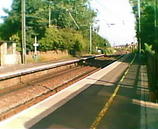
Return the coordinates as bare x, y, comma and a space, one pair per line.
23, 32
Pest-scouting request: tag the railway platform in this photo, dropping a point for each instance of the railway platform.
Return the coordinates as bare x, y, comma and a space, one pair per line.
117, 96
18, 68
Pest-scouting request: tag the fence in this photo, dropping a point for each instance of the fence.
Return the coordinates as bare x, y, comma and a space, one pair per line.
152, 70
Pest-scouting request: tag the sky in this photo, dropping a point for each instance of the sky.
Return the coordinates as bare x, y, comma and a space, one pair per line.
4, 4
115, 18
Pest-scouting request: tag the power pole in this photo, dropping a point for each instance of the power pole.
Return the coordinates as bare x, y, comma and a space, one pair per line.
139, 29
155, 19
49, 17
23, 31
90, 39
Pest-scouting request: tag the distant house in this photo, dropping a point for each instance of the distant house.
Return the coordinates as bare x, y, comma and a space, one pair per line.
8, 53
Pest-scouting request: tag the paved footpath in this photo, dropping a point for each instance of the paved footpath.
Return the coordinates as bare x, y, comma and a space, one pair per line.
149, 110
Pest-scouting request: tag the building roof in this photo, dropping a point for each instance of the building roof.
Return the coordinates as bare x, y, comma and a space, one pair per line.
1, 41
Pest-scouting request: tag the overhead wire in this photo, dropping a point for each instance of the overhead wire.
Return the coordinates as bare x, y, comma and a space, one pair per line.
122, 21
116, 16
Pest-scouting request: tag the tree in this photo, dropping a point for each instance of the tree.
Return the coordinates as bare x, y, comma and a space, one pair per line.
148, 32
12, 23
58, 24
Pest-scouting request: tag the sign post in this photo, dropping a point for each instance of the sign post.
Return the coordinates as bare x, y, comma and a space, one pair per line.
35, 49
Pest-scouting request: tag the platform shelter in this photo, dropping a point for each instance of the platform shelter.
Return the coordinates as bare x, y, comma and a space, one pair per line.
8, 53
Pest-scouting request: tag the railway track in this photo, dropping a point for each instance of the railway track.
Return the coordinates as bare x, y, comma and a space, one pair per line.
24, 95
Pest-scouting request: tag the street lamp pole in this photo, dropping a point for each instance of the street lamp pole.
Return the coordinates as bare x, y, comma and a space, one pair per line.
23, 32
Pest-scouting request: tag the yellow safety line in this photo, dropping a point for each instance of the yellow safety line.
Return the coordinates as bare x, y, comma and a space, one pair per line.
106, 106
